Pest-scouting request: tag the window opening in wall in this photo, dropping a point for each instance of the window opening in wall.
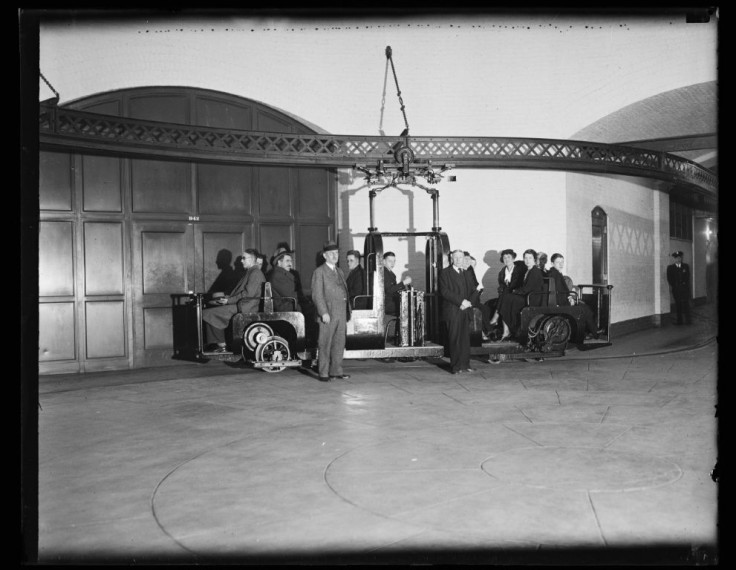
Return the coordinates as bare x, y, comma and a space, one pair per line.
681, 221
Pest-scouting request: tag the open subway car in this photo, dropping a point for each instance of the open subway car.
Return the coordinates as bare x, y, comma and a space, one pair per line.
276, 340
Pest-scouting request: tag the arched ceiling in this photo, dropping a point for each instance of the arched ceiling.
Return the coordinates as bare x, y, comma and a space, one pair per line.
683, 122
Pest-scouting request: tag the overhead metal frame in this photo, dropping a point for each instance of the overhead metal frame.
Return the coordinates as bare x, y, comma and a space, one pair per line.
70, 130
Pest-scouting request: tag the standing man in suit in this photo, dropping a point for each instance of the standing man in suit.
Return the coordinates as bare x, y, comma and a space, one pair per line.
356, 281
244, 298
390, 286
330, 297
456, 290
678, 276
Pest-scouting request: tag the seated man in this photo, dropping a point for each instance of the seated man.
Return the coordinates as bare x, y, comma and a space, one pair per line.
356, 281
244, 298
390, 286
283, 282
569, 294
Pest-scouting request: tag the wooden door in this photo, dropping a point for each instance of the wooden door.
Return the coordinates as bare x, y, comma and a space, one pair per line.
163, 265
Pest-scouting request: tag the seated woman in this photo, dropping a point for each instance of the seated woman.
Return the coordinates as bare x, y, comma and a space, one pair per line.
510, 277
568, 294
515, 300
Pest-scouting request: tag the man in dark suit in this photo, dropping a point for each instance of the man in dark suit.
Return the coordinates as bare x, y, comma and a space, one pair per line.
356, 281
485, 310
283, 282
330, 297
678, 276
390, 286
456, 289
244, 298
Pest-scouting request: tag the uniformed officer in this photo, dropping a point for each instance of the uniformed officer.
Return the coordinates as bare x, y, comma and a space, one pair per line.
678, 276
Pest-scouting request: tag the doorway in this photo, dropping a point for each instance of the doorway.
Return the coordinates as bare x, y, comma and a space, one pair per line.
599, 221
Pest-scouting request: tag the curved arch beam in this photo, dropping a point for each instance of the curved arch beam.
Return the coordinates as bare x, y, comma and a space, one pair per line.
81, 131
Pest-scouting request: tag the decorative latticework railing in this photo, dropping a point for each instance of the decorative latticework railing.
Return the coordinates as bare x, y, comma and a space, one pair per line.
77, 131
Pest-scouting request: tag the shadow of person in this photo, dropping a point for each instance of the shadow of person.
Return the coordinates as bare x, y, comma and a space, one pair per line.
492, 258
416, 269
228, 278
239, 267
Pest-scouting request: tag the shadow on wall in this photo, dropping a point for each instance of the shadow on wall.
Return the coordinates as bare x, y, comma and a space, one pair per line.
228, 277
416, 269
346, 179
492, 259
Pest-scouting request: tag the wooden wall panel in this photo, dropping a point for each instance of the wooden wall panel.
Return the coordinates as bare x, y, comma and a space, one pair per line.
310, 241
105, 328
224, 189
274, 191
157, 328
223, 115
266, 121
272, 234
159, 107
125, 312
218, 249
313, 188
55, 181
55, 259
103, 258
161, 186
56, 338
111, 107
101, 184
164, 257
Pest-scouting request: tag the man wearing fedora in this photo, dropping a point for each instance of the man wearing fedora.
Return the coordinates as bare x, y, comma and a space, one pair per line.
678, 276
283, 281
244, 298
330, 297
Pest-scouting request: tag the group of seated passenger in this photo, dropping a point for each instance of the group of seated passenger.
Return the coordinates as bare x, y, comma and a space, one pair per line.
521, 284
286, 291
246, 295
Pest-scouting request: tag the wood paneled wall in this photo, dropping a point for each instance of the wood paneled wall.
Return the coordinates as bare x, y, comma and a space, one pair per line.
118, 236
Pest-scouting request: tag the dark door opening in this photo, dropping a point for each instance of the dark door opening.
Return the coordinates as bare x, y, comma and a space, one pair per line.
600, 246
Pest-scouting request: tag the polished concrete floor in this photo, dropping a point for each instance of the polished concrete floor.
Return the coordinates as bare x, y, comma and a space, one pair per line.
603, 456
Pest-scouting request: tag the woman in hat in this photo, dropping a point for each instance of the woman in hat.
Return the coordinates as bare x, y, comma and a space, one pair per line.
510, 277
515, 299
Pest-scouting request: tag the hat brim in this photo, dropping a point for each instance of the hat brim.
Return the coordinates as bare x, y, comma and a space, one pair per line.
275, 258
